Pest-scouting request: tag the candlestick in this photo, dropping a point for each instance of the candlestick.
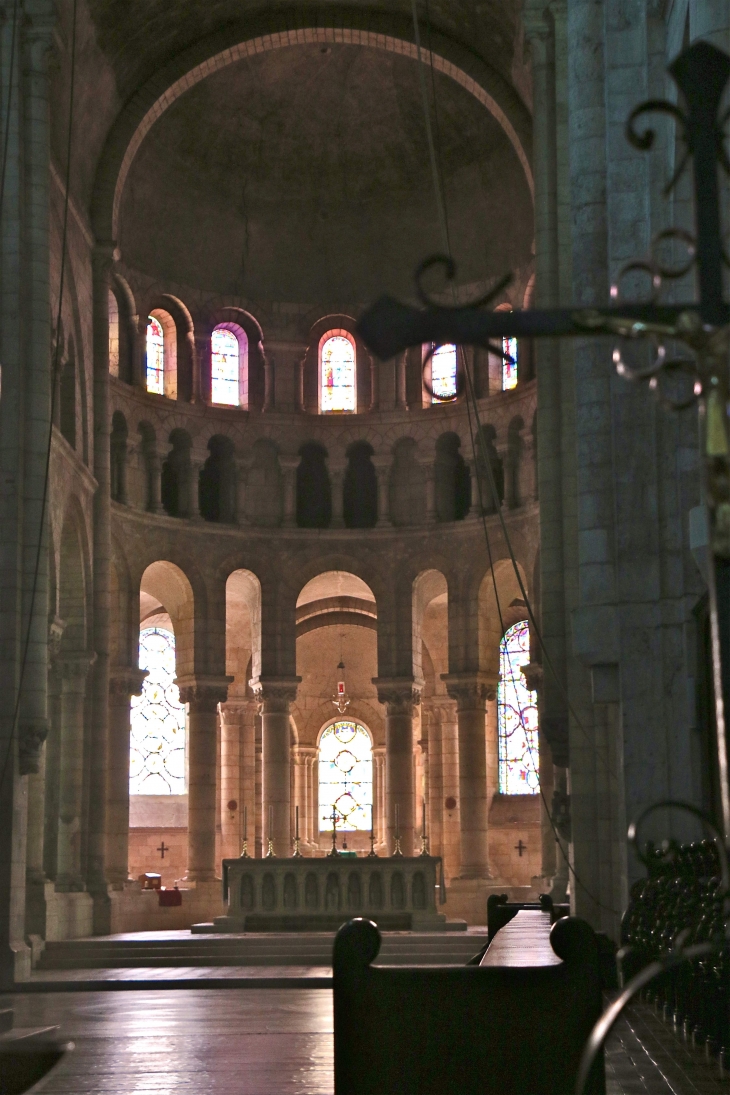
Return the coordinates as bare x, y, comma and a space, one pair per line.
372, 852
296, 832
244, 851
397, 849
270, 851
424, 838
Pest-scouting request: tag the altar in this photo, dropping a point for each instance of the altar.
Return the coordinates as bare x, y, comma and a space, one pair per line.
400, 893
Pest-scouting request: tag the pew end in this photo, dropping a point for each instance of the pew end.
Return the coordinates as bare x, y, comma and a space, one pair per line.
491, 1029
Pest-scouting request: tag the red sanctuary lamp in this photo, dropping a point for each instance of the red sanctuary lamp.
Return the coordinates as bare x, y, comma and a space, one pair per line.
341, 700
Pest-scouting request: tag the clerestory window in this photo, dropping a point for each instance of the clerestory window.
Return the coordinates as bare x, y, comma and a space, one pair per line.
337, 374
225, 368
155, 356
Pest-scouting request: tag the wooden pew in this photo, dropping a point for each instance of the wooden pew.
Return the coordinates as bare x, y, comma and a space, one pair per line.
514, 1025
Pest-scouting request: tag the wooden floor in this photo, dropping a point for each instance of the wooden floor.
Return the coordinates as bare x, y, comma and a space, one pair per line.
276, 1042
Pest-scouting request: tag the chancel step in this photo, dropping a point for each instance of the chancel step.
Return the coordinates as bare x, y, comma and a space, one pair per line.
266, 949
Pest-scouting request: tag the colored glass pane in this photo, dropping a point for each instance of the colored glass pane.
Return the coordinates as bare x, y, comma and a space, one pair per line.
113, 335
517, 716
345, 776
443, 373
224, 370
337, 390
509, 368
157, 739
155, 356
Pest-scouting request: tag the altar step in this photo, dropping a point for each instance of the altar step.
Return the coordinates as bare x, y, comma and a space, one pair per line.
295, 949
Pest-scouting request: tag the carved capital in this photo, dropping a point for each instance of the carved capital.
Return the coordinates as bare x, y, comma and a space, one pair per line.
400, 695
235, 710
470, 690
275, 694
74, 668
205, 692
31, 735
533, 672
56, 628
125, 681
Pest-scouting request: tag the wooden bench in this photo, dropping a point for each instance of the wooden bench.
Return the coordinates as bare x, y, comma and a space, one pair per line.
514, 1025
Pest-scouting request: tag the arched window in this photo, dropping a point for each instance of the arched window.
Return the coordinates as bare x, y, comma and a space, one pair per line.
337, 390
155, 356
509, 368
113, 335
157, 739
345, 776
517, 716
225, 368
443, 372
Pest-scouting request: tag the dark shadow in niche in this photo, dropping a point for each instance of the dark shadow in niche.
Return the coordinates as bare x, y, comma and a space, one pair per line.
452, 480
217, 488
314, 490
360, 488
150, 461
118, 458
175, 484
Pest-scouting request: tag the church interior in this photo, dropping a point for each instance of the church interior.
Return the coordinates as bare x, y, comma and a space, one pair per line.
296, 631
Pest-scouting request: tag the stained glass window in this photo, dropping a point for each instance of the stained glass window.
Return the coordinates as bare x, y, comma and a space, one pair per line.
224, 370
337, 389
443, 373
113, 335
509, 368
157, 740
345, 776
517, 716
155, 356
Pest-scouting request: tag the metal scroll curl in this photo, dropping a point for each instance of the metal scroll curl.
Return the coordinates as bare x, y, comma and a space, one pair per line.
678, 954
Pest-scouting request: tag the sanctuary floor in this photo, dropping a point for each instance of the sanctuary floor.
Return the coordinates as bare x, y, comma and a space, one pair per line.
277, 1042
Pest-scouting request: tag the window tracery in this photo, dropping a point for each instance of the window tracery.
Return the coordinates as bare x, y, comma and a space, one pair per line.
443, 372
157, 737
155, 356
337, 393
225, 368
345, 776
516, 716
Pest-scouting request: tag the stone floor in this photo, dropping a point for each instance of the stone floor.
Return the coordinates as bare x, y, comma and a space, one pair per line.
277, 1042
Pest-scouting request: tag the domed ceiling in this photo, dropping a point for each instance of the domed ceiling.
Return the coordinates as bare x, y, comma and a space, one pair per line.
302, 175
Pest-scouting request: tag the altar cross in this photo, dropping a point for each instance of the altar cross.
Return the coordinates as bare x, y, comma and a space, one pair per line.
162, 849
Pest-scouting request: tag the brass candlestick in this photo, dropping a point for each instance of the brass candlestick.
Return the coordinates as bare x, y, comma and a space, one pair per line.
297, 853
270, 851
372, 853
333, 851
397, 849
244, 851
424, 838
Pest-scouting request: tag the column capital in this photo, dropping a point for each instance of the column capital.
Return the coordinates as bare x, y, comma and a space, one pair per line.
237, 708
275, 693
75, 667
126, 681
302, 753
201, 689
470, 690
534, 674
399, 694
31, 735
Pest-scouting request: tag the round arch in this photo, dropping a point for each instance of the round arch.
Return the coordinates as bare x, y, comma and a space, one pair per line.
189, 68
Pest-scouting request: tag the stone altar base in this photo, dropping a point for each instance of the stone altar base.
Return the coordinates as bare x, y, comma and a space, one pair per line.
303, 894
467, 897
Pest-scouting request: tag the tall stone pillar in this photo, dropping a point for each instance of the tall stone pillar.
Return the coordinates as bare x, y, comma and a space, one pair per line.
237, 776
445, 714
196, 466
74, 673
382, 470
275, 695
379, 817
304, 758
202, 694
471, 694
337, 479
429, 471
289, 465
400, 696
435, 782
124, 682
241, 490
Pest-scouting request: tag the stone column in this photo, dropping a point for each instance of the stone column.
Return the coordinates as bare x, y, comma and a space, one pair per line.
202, 694
276, 694
337, 478
429, 471
400, 696
435, 789
304, 793
475, 506
445, 713
471, 693
401, 400
313, 776
379, 818
124, 682
289, 465
74, 673
241, 488
382, 470
236, 776
196, 466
